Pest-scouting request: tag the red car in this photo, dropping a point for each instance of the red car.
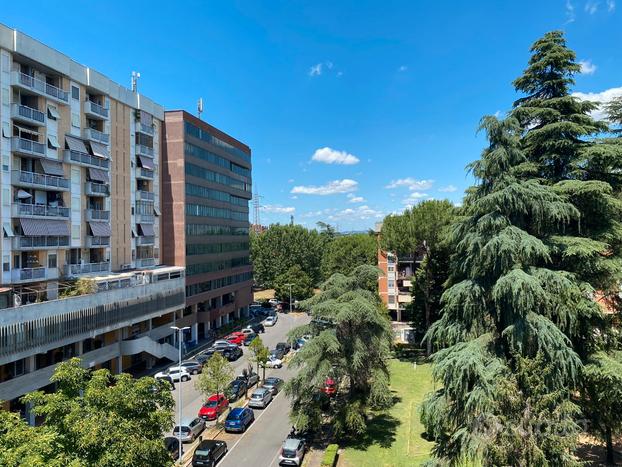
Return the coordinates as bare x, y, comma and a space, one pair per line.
236, 338
215, 405
330, 387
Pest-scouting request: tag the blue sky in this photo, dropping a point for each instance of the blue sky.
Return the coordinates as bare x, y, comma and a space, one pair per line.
390, 92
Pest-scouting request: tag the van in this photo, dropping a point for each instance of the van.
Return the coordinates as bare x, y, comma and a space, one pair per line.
260, 398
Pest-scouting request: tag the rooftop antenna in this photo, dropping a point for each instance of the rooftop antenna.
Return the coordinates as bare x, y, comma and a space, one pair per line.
135, 76
291, 219
200, 107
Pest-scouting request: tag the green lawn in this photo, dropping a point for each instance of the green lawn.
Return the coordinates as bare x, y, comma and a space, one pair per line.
394, 437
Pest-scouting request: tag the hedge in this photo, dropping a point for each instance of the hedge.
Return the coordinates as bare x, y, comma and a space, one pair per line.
330, 455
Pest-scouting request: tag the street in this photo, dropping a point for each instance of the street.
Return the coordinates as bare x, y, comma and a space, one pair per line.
262, 441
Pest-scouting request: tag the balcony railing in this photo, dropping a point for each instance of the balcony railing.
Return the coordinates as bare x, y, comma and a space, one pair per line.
88, 268
144, 150
29, 274
142, 195
39, 210
97, 242
97, 215
143, 173
145, 262
96, 135
39, 86
145, 218
97, 189
145, 241
87, 160
93, 108
145, 129
36, 243
27, 147
22, 178
27, 114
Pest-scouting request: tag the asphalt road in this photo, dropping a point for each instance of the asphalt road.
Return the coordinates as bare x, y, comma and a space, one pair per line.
261, 443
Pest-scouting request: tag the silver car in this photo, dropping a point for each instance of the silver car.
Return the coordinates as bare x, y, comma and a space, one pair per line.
190, 429
292, 452
260, 398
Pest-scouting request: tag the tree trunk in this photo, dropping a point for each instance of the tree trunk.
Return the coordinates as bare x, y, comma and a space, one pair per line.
264, 374
610, 452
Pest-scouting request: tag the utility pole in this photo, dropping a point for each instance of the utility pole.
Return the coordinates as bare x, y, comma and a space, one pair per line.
290, 297
180, 334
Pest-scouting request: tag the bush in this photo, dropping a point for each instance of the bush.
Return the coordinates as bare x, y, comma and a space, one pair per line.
330, 455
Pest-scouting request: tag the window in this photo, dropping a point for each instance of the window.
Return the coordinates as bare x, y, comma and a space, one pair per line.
75, 232
6, 131
75, 120
53, 142
52, 260
8, 230
75, 92
391, 299
5, 163
391, 284
6, 263
53, 113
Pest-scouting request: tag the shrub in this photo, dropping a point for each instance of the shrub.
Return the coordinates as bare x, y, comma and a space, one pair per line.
330, 455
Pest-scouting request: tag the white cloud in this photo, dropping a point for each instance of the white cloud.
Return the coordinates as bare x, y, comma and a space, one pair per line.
591, 7
601, 97
336, 186
570, 13
278, 209
357, 213
414, 197
611, 6
356, 199
315, 70
412, 184
447, 189
587, 67
332, 156
402, 68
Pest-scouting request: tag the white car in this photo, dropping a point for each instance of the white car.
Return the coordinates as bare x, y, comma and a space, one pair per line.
247, 331
273, 302
274, 362
270, 321
175, 373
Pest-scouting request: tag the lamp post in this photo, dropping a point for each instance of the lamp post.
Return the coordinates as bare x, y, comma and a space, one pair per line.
290, 297
180, 334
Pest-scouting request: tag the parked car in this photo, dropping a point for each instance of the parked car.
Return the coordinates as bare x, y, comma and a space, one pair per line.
249, 338
273, 302
274, 384
169, 380
292, 451
190, 429
256, 328
284, 346
236, 338
213, 407
260, 398
172, 446
220, 343
251, 378
239, 419
277, 353
208, 453
270, 321
193, 367
247, 330
202, 358
232, 353
299, 343
236, 389
175, 373
274, 362
330, 387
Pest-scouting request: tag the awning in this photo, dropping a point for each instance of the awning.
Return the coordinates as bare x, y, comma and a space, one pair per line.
52, 167
100, 229
42, 227
156, 211
76, 144
99, 150
53, 141
98, 175
145, 162
8, 229
147, 230
53, 113
28, 131
21, 194
134, 234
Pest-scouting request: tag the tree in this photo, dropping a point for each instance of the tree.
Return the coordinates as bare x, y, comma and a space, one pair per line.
99, 419
215, 377
283, 246
301, 286
347, 252
351, 337
259, 354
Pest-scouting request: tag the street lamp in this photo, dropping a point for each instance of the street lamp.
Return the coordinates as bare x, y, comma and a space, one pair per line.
290, 297
180, 334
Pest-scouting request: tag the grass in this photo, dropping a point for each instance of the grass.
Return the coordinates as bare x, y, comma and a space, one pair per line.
394, 437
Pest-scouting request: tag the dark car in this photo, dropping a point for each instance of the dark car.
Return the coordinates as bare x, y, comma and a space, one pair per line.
274, 384
239, 419
232, 353
277, 353
284, 346
251, 378
202, 358
237, 388
208, 453
169, 381
257, 327
249, 338
172, 446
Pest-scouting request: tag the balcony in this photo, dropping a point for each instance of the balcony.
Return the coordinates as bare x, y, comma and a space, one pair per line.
96, 135
27, 147
97, 215
145, 218
97, 242
96, 189
39, 210
88, 268
95, 110
143, 150
144, 174
148, 130
86, 160
145, 196
39, 87
27, 115
40, 242
145, 241
33, 274
40, 181
145, 262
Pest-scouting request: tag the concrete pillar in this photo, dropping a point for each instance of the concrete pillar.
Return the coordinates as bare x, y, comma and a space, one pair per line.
120, 357
218, 322
31, 363
237, 313
149, 362
30, 417
195, 308
79, 348
194, 330
226, 318
208, 325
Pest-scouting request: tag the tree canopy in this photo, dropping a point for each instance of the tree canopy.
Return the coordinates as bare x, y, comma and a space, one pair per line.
216, 375
347, 252
301, 285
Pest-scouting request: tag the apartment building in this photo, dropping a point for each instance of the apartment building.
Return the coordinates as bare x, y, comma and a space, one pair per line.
206, 188
79, 199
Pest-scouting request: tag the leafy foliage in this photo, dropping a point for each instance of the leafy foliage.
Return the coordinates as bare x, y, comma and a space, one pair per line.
216, 375
347, 252
259, 354
301, 286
